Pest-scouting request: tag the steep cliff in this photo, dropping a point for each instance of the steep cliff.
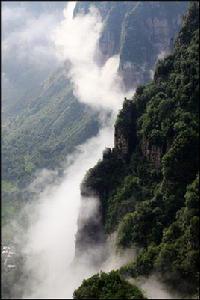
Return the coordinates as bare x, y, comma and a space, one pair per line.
53, 120
125, 138
139, 32
113, 14
147, 34
151, 197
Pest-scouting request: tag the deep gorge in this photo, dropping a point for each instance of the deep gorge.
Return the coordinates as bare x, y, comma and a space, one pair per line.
100, 169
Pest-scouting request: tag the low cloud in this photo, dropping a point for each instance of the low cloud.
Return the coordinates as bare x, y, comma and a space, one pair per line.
154, 289
49, 238
77, 39
28, 52
50, 244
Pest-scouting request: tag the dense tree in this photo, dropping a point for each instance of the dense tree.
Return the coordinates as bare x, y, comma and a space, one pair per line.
107, 286
154, 203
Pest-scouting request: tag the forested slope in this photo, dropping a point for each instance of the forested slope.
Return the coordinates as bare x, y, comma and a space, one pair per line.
42, 125
148, 183
51, 125
41, 137
42, 129
138, 31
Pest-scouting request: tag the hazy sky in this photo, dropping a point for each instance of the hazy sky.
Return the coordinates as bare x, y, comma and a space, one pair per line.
36, 37
28, 52
50, 236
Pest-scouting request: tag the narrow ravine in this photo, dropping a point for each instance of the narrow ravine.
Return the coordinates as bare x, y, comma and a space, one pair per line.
97, 176
51, 244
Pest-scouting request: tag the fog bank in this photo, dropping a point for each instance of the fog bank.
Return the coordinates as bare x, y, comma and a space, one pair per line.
50, 239
51, 236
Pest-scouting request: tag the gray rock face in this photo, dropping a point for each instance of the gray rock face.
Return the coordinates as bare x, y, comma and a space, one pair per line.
152, 153
147, 35
121, 142
125, 130
90, 231
110, 41
140, 32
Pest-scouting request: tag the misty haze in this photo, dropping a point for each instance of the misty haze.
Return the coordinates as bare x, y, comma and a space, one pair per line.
100, 149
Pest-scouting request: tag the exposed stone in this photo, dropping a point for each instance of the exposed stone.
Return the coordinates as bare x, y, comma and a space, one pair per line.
152, 153
90, 229
133, 75
125, 130
121, 142
139, 32
147, 34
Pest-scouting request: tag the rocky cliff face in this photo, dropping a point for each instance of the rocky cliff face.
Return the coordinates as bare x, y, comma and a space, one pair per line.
152, 153
147, 34
140, 32
113, 14
125, 130
110, 41
90, 233
151, 200
125, 137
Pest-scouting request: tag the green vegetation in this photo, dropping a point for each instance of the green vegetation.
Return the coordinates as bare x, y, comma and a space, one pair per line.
53, 124
107, 286
179, 249
8, 186
40, 129
41, 136
152, 198
149, 197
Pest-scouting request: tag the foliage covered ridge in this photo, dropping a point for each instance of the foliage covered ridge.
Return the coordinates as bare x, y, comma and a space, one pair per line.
148, 184
47, 118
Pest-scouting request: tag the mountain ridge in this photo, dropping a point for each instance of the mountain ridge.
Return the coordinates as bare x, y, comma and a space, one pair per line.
151, 199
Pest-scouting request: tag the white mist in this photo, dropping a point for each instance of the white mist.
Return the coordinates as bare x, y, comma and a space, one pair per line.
50, 244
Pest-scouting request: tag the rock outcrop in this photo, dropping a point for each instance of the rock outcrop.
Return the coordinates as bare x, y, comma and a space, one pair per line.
90, 233
152, 153
125, 130
140, 32
147, 35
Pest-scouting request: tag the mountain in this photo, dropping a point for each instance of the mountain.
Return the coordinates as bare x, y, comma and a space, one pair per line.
28, 55
46, 124
52, 120
41, 137
42, 125
139, 32
148, 183
52, 124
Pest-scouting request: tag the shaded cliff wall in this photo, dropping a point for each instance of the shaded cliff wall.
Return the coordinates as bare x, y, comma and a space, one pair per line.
148, 32
139, 32
155, 135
